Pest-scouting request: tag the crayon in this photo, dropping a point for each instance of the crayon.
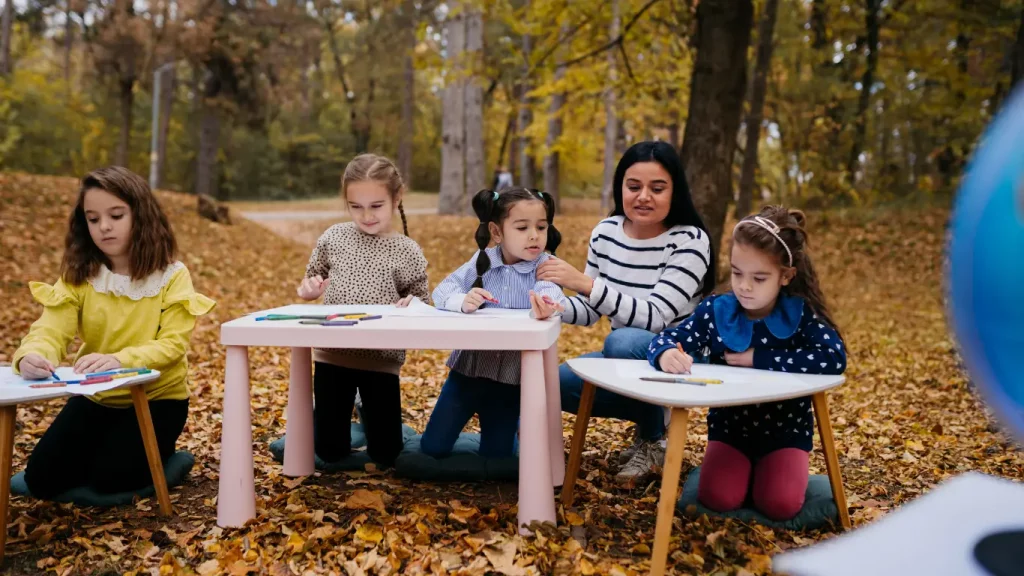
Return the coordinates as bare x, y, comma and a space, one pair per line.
673, 380
340, 323
375, 317
48, 385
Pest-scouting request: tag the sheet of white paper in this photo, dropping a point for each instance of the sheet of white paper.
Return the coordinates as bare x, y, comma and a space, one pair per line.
416, 309
13, 385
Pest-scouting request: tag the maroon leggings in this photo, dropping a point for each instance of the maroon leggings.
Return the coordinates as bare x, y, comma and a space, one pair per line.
778, 486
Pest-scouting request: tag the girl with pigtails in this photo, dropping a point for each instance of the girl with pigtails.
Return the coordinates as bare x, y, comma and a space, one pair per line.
485, 383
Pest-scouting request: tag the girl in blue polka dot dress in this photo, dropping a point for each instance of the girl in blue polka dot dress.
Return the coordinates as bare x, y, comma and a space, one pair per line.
775, 319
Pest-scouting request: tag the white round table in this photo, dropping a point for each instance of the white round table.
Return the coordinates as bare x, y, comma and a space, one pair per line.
739, 386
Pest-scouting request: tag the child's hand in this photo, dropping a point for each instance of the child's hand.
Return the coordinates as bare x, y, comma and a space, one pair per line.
35, 367
404, 302
313, 288
475, 299
96, 363
675, 361
743, 359
543, 307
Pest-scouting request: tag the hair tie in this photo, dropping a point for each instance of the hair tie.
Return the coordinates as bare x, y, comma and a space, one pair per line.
772, 229
495, 194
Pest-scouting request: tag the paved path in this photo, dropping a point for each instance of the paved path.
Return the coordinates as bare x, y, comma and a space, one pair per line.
316, 214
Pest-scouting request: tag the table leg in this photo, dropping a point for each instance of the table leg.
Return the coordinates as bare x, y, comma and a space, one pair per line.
669, 488
8, 414
236, 496
554, 395
536, 500
579, 438
298, 443
156, 464
828, 446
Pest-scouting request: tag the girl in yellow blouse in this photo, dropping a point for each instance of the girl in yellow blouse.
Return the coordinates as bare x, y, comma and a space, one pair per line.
134, 307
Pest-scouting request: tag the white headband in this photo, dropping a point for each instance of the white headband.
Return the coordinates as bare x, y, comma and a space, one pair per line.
772, 229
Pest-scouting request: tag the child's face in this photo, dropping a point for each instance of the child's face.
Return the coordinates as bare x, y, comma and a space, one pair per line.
524, 233
110, 222
371, 206
757, 278
646, 193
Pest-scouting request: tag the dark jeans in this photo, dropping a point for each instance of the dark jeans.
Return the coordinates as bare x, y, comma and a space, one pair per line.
334, 395
93, 445
497, 405
624, 343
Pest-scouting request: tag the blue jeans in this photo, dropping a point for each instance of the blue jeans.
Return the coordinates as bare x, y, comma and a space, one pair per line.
462, 396
626, 343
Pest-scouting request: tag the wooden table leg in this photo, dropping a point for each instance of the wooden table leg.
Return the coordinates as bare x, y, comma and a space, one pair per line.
536, 489
579, 437
156, 464
828, 446
298, 439
8, 414
669, 488
236, 493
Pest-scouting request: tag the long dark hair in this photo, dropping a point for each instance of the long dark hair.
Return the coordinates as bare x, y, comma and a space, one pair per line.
792, 230
681, 211
152, 246
491, 206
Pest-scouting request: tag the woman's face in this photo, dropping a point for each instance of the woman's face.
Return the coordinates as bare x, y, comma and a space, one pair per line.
646, 193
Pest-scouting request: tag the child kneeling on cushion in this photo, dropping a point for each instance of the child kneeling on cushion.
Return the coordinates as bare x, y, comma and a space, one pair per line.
486, 383
774, 318
133, 305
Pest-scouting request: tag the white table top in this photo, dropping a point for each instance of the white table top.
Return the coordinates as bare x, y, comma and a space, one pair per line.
415, 328
15, 390
935, 534
740, 385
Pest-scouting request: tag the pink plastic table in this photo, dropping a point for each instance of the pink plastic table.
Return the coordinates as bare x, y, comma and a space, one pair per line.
541, 462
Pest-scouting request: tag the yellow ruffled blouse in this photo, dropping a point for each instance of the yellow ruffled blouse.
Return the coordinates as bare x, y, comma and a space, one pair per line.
145, 323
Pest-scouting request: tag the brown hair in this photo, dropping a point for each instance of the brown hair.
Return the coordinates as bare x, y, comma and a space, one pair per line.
152, 245
374, 168
491, 206
792, 231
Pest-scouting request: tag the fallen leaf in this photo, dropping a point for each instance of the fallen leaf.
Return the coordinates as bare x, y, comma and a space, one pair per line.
370, 533
365, 499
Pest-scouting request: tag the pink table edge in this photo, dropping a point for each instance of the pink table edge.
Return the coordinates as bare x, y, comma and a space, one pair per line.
542, 461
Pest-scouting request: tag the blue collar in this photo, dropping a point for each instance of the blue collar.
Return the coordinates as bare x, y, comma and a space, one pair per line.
522, 267
737, 330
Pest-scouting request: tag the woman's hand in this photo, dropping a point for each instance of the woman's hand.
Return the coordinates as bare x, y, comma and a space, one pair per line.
565, 275
543, 307
313, 288
96, 363
675, 361
742, 359
35, 367
404, 302
475, 299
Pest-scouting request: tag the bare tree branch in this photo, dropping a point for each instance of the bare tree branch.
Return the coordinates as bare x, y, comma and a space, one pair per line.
616, 41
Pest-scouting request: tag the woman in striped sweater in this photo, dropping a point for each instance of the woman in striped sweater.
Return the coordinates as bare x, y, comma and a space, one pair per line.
648, 266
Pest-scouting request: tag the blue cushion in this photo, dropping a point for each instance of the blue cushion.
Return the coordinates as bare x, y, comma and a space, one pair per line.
354, 461
464, 465
819, 507
176, 469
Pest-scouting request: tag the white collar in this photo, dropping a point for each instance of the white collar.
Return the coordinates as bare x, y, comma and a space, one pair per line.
108, 282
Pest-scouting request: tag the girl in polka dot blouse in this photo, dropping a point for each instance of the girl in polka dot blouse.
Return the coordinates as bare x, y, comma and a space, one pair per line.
774, 318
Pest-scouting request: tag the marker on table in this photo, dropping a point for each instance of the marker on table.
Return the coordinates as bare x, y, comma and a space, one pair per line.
672, 380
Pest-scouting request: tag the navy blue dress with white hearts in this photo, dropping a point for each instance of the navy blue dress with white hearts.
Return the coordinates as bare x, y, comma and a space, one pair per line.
790, 339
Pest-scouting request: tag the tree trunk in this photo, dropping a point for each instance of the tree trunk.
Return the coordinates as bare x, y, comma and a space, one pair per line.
206, 162
611, 119
476, 153
405, 136
453, 160
126, 98
866, 81
552, 161
69, 31
6, 29
527, 167
1017, 58
513, 147
717, 86
765, 33
167, 88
